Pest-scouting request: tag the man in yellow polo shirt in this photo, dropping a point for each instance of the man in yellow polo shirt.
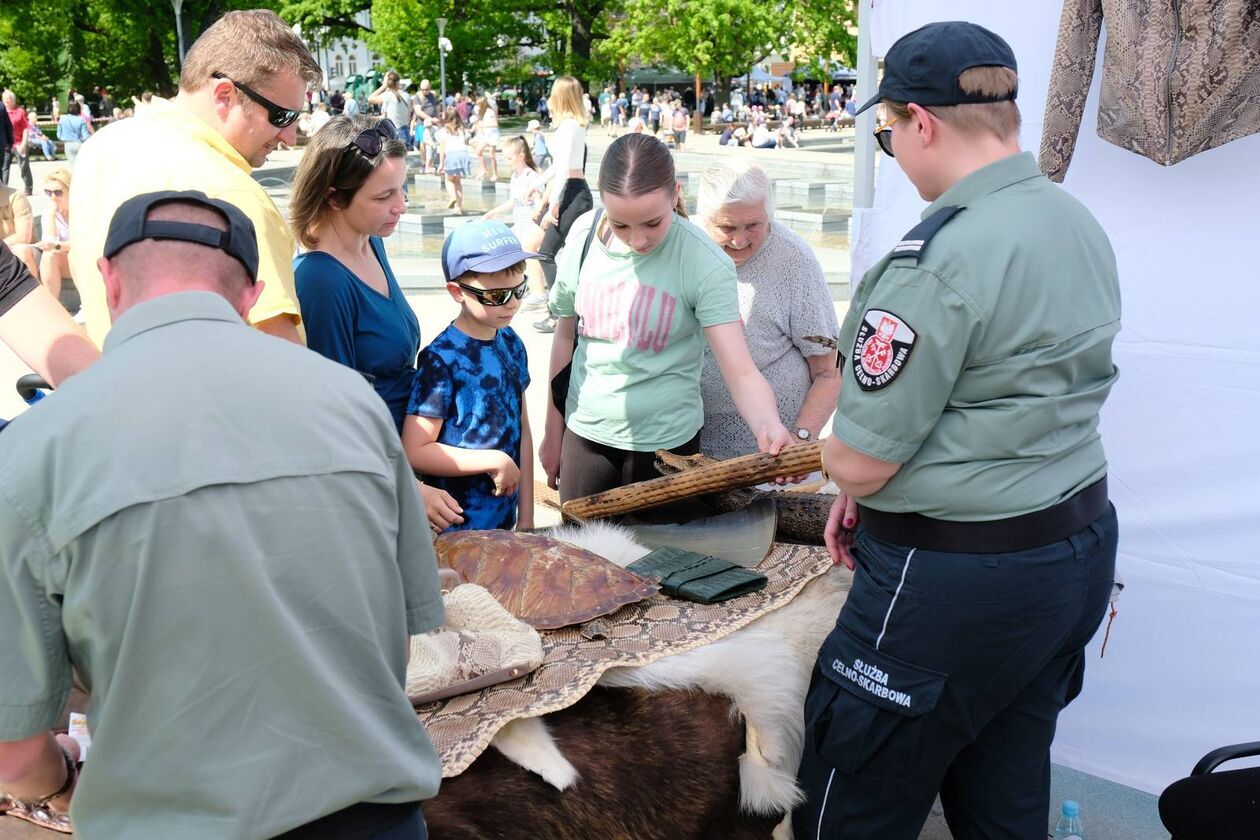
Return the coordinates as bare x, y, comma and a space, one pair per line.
242, 86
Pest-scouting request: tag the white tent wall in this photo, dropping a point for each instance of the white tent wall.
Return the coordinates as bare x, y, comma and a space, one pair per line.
1181, 674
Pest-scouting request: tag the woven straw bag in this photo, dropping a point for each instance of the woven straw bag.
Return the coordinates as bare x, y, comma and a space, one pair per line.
481, 644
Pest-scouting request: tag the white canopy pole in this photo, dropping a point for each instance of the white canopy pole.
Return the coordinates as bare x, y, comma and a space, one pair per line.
863, 142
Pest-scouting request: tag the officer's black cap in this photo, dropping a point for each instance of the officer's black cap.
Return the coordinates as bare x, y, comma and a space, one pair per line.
923, 66
131, 224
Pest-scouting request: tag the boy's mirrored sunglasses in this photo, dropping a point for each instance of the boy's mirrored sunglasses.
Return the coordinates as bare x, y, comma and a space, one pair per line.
277, 115
496, 297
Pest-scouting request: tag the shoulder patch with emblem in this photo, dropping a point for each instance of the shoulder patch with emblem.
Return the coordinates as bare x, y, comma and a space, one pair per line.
913, 243
882, 347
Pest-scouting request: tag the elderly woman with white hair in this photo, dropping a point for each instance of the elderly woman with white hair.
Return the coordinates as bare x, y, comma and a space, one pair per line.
789, 318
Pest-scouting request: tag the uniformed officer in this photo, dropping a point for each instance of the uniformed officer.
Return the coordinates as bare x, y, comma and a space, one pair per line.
977, 357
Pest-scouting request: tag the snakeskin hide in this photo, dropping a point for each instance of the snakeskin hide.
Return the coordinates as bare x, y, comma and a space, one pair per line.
1179, 77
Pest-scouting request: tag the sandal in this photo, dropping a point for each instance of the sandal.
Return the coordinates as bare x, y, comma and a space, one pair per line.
42, 817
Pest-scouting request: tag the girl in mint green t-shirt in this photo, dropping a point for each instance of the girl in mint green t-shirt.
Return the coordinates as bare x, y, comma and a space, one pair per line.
653, 288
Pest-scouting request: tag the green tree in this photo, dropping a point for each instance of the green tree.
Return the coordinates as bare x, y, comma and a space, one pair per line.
581, 26
127, 46
486, 36
35, 56
710, 39
492, 41
823, 29
340, 18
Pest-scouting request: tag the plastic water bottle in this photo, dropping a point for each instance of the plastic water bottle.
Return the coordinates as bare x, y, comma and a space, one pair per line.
1069, 827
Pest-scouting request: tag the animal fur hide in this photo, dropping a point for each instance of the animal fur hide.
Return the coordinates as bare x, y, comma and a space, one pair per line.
651, 766
762, 669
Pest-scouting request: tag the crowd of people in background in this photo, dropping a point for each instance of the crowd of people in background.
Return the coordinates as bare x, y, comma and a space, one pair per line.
468, 446
762, 116
457, 136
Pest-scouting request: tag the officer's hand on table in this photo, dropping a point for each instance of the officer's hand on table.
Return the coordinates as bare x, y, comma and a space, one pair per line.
442, 509
838, 535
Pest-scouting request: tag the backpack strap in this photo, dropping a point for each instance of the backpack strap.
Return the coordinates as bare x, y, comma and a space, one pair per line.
586, 247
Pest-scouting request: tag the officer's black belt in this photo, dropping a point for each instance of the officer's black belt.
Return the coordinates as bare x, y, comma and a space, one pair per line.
994, 536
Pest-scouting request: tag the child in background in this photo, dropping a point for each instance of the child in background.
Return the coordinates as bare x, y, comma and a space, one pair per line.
525, 192
456, 162
417, 138
466, 430
679, 122
538, 145
432, 150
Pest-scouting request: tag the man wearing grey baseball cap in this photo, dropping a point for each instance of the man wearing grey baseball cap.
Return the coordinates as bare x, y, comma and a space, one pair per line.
175, 524
976, 356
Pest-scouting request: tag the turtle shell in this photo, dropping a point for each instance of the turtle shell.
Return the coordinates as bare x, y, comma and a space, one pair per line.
544, 582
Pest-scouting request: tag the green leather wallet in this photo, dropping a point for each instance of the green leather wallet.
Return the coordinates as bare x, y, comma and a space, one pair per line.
697, 577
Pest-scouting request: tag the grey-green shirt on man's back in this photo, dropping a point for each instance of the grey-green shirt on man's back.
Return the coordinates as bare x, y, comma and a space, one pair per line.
220, 532
999, 360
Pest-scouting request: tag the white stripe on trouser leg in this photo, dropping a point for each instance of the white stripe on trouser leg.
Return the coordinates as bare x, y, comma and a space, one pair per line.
893, 602
823, 810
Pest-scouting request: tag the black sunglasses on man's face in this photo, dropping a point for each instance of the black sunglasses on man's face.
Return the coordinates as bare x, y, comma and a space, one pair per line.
277, 115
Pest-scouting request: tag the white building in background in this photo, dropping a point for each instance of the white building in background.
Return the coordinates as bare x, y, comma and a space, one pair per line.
340, 57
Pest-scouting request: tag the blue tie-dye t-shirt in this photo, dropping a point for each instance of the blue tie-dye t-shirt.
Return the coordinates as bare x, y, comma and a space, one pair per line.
475, 387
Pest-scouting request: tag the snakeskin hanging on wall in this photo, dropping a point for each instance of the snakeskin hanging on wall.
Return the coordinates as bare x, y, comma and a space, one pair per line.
1179, 77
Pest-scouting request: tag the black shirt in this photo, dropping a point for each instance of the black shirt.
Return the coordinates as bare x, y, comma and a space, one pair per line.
15, 281
429, 105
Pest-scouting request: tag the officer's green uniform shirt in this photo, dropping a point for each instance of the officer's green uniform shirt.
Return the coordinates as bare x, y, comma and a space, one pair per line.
979, 358
221, 532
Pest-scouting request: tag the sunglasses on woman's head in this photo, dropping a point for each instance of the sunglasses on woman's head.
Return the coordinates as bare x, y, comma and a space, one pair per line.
278, 116
370, 141
495, 297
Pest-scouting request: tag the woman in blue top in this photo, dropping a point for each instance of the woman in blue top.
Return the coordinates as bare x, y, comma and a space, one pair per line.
347, 195
72, 131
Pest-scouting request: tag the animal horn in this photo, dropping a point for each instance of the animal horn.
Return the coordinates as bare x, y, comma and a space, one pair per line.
744, 471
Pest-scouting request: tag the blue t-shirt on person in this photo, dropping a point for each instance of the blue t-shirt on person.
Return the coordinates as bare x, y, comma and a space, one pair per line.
350, 322
71, 128
475, 387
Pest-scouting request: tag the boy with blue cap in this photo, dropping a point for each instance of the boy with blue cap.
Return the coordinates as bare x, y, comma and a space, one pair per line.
977, 355
467, 430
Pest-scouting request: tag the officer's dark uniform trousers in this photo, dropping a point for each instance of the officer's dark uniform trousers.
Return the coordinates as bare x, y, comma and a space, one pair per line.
945, 672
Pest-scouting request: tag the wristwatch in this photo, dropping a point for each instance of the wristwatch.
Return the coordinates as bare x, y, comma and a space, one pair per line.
803, 434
